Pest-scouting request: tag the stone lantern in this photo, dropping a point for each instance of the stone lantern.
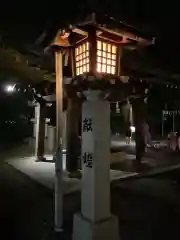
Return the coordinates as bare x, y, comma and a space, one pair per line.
94, 48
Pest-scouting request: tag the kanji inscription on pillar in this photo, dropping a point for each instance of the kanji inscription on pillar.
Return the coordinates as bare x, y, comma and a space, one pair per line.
87, 129
87, 125
87, 159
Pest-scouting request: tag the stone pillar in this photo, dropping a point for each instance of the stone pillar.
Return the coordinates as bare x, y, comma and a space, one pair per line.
73, 140
40, 132
131, 116
35, 120
51, 139
36, 127
95, 221
138, 107
46, 137
51, 136
64, 132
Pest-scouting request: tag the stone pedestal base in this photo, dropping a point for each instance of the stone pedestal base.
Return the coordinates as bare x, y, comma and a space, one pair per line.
86, 230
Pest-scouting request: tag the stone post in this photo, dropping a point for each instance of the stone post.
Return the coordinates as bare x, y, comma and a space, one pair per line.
95, 221
36, 119
64, 132
51, 139
40, 132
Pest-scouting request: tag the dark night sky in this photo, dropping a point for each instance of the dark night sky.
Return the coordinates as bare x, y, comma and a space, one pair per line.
159, 14
21, 24
158, 17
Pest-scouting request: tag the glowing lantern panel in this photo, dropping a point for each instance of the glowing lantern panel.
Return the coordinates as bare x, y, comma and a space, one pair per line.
106, 57
105, 60
82, 58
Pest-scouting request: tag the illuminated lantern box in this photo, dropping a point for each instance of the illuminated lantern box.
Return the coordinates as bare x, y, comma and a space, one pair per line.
95, 46
105, 58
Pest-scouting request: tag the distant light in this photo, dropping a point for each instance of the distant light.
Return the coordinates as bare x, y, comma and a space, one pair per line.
10, 88
133, 129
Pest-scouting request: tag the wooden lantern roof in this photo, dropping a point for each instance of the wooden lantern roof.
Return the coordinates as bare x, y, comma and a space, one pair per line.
106, 27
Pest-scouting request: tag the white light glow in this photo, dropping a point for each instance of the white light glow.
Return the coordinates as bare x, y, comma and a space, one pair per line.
10, 88
133, 129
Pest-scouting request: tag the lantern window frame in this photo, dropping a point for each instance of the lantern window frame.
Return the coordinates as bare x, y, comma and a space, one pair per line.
81, 59
106, 55
108, 58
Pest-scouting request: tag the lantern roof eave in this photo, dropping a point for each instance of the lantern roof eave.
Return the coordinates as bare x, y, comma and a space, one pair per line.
116, 27
124, 34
